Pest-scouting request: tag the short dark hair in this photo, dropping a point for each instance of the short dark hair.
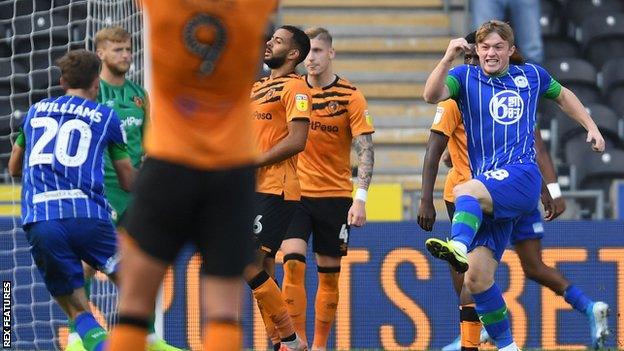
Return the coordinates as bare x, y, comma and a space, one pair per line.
471, 37
79, 68
301, 39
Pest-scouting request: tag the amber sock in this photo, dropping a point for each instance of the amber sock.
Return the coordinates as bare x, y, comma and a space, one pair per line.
222, 335
470, 327
270, 302
325, 305
294, 292
128, 334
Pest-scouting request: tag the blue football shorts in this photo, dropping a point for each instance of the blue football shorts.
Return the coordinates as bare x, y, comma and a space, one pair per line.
58, 246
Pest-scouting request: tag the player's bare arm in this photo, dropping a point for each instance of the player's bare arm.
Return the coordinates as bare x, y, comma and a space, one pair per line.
435, 148
125, 173
363, 145
16, 161
572, 106
291, 145
554, 204
435, 87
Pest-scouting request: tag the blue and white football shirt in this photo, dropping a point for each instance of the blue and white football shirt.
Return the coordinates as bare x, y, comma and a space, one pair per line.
64, 141
499, 112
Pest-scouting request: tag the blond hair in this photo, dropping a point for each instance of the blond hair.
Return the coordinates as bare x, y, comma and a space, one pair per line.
114, 34
499, 27
319, 33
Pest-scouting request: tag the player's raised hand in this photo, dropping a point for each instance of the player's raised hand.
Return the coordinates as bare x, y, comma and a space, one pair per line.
456, 47
426, 215
595, 138
357, 213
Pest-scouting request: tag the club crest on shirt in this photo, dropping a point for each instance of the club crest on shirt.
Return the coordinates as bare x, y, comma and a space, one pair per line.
138, 101
269, 94
301, 101
521, 82
506, 107
333, 106
110, 103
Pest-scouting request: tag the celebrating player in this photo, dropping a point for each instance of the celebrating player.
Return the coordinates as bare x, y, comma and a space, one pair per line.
197, 183
64, 212
281, 105
448, 129
498, 102
339, 117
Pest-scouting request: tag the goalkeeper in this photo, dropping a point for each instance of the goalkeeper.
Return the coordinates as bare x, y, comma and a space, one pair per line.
113, 47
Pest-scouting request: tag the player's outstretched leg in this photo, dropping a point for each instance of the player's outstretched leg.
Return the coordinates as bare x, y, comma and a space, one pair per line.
465, 224
453, 252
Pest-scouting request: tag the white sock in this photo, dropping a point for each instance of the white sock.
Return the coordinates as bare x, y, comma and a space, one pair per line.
460, 246
72, 337
510, 347
152, 338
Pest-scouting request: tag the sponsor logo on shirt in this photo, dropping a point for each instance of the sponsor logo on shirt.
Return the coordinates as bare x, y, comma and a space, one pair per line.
318, 126
262, 115
131, 121
506, 107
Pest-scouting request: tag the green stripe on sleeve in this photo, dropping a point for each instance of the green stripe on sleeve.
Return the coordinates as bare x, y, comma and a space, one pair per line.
553, 91
21, 138
468, 219
453, 85
118, 151
494, 317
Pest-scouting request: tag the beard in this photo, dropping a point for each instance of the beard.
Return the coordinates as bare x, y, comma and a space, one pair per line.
118, 70
275, 61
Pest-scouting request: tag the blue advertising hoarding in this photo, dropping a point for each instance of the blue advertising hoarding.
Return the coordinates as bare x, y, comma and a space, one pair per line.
393, 294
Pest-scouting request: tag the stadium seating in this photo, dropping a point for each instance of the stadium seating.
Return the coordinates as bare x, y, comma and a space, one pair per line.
577, 11
613, 84
577, 75
560, 47
602, 37
550, 24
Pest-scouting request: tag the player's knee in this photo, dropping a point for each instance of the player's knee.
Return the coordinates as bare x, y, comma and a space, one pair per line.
328, 261
294, 246
467, 188
477, 282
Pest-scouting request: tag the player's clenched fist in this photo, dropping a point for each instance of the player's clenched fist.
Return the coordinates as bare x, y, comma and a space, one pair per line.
595, 138
456, 47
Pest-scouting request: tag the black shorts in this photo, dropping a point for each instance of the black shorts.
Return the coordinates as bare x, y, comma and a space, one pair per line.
175, 204
273, 215
326, 218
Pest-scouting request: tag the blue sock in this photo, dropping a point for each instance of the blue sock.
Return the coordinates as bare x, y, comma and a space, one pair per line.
91, 333
577, 299
493, 314
466, 220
